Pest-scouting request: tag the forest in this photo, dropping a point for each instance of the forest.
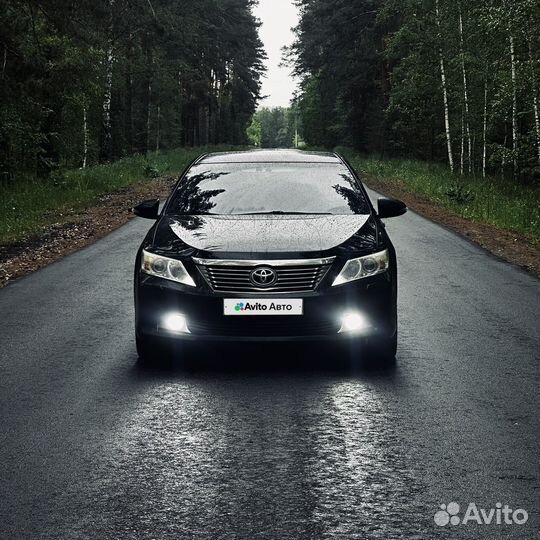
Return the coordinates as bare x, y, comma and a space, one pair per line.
92, 81
276, 127
443, 96
437, 80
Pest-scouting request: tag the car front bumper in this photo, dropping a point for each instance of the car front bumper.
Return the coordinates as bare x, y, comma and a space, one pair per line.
374, 298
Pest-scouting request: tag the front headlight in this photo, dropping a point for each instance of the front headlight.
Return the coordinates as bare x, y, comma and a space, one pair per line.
370, 265
165, 268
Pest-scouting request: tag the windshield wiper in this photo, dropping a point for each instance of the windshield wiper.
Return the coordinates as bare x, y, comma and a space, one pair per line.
282, 213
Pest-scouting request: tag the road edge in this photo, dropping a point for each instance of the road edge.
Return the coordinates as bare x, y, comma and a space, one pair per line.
77, 229
504, 245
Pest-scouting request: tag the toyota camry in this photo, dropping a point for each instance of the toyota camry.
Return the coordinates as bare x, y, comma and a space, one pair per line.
267, 245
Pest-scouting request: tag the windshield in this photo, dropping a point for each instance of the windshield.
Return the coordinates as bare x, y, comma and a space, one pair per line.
268, 188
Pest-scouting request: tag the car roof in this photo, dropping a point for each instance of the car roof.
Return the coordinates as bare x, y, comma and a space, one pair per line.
271, 156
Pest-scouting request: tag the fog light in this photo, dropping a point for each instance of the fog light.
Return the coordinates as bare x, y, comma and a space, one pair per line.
175, 322
354, 322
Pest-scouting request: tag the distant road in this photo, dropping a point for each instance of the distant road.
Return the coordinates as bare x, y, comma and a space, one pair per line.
94, 447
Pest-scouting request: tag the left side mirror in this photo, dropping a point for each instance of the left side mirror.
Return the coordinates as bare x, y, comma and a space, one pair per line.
389, 208
147, 209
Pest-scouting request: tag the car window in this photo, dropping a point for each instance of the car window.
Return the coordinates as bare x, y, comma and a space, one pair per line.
253, 188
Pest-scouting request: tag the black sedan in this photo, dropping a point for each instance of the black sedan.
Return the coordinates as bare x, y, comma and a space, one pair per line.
267, 246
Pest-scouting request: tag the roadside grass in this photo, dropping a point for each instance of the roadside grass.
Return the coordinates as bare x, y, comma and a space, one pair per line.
493, 200
30, 204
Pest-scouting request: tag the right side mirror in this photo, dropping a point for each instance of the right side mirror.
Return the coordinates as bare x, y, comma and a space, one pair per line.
389, 208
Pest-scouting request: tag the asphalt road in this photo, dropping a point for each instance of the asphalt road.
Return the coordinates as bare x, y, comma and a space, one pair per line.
274, 443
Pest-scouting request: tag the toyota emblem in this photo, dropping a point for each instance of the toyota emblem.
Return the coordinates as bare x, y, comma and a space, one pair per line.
263, 277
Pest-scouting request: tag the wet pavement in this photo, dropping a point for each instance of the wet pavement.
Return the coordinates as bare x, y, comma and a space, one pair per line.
258, 442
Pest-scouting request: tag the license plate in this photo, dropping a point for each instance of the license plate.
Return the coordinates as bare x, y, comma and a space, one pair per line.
252, 306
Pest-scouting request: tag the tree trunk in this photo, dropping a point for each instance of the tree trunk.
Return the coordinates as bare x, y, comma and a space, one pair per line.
534, 97
150, 60
106, 142
503, 160
4, 62
515, 143
219, 93
182, 141
158, 127
129, 112
465, 90
462, 160
472, 170
484, 150
201, 124
445, 92
106, 139
85, 138
129, 96
207, 125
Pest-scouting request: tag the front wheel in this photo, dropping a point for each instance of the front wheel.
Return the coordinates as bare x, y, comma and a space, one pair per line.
150, 351
381, 352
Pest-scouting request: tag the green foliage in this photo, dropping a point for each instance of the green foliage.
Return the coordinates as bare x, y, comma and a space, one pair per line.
254, 132
460, 194
277, 127
151, 171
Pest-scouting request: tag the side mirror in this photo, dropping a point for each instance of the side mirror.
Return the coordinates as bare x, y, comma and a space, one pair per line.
389, 208
147, 209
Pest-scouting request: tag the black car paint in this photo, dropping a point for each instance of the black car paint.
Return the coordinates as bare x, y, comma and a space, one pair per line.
377, 294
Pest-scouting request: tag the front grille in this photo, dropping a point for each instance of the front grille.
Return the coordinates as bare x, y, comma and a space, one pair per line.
292, 278
261, 326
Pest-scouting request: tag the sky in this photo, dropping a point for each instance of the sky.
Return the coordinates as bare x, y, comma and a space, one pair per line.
277, 17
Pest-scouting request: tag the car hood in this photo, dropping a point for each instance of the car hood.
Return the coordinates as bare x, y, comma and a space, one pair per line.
260, 234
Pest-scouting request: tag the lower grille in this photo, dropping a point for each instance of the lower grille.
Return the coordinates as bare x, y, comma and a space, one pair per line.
288, 279
263, 326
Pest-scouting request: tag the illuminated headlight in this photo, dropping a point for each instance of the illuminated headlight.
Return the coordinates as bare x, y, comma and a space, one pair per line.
175, 322
370, 265
165, 268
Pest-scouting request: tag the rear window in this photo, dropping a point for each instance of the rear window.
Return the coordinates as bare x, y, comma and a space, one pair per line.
261, 188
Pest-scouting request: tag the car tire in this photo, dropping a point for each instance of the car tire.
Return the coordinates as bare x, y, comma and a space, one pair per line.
150, 351
381, 352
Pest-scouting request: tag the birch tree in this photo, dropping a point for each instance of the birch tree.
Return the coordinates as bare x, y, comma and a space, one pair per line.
534, 91
484, 129
85, 137
444, 89
515, 142
465, 94
106, 143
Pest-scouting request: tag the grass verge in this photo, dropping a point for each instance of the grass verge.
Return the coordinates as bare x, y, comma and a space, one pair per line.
29, 205
501, 203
